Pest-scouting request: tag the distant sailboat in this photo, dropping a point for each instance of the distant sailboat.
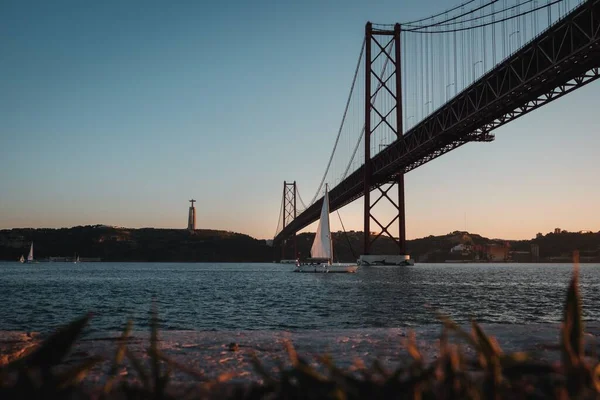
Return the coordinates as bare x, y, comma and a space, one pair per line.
322, 249
22, 259
76, 259
30, 255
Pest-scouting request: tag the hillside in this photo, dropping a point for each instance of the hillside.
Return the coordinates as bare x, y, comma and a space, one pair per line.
553, 247
122, 244
148, 244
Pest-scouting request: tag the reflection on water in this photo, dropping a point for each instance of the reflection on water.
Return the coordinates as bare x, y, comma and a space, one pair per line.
270, 296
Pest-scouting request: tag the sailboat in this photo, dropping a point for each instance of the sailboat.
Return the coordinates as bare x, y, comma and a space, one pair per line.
76, 259
30, 259
322, 248
22, 259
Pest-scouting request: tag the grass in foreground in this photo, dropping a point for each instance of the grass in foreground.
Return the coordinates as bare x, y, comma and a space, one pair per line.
492, 375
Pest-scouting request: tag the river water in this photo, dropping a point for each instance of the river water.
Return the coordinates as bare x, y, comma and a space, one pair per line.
228, 297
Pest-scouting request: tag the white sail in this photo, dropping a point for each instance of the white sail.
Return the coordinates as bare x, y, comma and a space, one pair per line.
30, 256
321, 247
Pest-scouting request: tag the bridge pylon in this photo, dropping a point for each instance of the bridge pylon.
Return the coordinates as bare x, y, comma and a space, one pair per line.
383, 115
289, 214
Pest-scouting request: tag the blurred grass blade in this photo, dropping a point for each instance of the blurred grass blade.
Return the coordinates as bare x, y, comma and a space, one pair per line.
261, 371
54, 349
593, 347
225, 377
164, 381
454, 327
289, 347
411, 346
348, 384
513, 359
535, 368
380, 369
139, 368
572, 329
76, 374
304, 371
183, 368
487, 348
119, 355
153, 351
443, 342
596, 377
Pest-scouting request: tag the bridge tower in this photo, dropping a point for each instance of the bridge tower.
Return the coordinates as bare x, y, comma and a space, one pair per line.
289, 214
383, 43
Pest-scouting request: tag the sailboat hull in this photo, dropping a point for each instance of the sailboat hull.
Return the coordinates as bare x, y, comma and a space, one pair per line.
327, 269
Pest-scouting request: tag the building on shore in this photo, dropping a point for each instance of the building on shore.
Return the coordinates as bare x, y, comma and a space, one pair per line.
497, 252
192, 217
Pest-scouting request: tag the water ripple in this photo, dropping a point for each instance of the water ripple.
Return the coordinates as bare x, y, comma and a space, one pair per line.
270, 297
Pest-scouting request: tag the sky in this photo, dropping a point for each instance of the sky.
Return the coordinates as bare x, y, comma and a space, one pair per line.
118, 113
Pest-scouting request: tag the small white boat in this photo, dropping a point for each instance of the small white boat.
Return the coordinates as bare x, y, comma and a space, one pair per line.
22, 259
30, 259
322, 248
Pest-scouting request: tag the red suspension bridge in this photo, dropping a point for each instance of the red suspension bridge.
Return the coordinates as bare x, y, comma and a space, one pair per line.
426, 87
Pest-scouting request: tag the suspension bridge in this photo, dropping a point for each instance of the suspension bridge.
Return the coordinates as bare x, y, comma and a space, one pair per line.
423, 88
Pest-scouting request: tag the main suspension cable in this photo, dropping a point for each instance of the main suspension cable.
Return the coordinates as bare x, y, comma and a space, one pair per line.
280, 219
437, 15
449, 19
300, 198
488, 23
337, 139
362, 133
476, 18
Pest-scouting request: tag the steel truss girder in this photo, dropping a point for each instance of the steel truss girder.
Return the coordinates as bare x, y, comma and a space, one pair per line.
483, 133
562, 59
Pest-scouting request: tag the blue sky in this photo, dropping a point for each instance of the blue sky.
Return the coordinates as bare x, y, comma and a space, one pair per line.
119, 112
